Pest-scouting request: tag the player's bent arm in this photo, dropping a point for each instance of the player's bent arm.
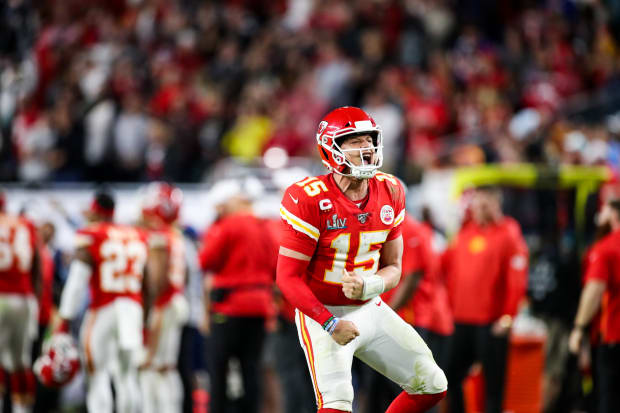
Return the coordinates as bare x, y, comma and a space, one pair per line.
391, 263
589, 304
291, 266
156, 274
356, 287
76, 286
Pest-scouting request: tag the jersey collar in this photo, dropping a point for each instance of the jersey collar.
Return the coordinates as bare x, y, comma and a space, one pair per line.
370, 198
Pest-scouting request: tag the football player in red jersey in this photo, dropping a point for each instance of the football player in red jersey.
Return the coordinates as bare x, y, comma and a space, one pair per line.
19, 280
110, 260
602, 292
162, 390
341, 249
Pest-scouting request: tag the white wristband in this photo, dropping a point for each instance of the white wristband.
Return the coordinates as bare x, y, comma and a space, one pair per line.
373, 286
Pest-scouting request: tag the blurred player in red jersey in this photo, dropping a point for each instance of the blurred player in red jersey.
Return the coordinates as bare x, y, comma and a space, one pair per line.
602, 292
162, 390
109, 260
420, 299
486, 279
240, 252
19, 280
341, 249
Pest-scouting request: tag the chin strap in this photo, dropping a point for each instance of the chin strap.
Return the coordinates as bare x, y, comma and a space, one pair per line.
357, 173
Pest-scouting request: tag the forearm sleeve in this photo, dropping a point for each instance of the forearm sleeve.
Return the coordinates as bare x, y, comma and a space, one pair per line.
75, 289
295, 290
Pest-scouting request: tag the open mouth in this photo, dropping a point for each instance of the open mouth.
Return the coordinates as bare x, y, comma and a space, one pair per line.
367, 158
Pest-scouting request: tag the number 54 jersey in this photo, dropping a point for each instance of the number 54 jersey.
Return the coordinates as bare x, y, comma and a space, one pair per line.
119, 256
321, 222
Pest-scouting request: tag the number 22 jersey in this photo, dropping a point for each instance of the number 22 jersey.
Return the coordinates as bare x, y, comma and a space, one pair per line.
321, 222
119, 256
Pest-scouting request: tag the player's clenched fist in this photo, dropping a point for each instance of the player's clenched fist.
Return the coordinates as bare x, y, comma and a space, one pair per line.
352, 285
344, 332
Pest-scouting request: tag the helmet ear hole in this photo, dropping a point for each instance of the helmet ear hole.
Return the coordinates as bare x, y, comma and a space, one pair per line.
325, 154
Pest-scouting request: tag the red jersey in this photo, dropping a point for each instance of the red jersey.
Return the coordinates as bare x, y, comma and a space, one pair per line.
239, 249
284, 307
487, 271
119, 256
18, 242
321, 222
604, 265
171, 240
428, 307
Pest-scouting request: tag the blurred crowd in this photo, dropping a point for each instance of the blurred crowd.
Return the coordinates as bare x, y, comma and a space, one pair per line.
133, 90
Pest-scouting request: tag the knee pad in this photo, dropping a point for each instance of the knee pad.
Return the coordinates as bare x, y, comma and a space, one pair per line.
439, 382
427, 378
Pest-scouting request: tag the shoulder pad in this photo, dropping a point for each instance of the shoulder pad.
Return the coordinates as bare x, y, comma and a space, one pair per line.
310, 187
393, 185
385, 177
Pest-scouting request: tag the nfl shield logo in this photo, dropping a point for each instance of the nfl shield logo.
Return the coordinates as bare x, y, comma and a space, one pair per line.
362, 218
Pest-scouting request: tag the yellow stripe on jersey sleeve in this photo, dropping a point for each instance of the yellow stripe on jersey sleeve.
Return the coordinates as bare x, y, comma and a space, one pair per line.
299, 224
400, 218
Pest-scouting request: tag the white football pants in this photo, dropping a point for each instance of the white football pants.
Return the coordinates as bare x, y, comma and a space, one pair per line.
19, 322
386, 343
162, 390
111, 338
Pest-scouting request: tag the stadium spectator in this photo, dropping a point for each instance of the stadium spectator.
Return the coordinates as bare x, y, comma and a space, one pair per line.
459, 80
601, 293
130, 138
486, 279
33, 141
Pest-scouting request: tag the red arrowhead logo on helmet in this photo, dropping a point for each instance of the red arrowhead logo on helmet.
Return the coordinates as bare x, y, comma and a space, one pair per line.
162, 200
344, 122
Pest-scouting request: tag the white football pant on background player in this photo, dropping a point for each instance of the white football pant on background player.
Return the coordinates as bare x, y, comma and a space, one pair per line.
160, 382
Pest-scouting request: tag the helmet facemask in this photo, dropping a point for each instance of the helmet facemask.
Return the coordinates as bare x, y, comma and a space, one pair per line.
367, 169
